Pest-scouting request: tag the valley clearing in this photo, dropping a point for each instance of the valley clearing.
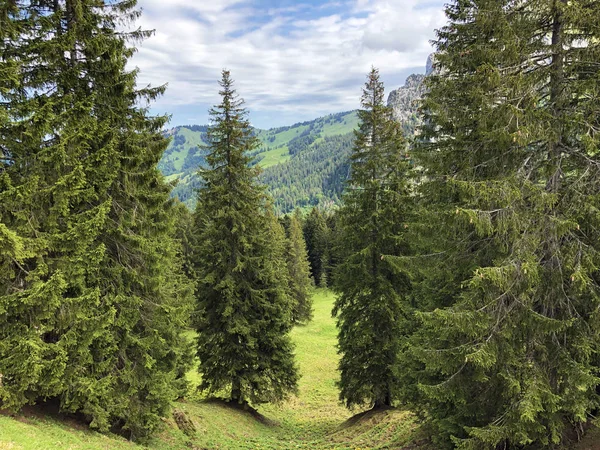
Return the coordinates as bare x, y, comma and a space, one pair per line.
313, 420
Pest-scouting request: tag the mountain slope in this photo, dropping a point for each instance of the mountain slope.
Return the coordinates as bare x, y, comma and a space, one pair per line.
185, 153
313, 177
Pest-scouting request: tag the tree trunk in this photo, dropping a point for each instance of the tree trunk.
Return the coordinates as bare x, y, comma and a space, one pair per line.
556, 99
236, 391
383, 402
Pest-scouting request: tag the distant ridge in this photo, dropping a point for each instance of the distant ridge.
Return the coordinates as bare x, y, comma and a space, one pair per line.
184, 155
304, 164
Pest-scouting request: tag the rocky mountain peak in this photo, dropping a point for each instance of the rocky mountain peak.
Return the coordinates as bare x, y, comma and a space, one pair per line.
429, 65
404, 101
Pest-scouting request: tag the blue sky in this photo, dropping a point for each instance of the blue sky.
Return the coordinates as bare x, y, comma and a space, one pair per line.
292, 60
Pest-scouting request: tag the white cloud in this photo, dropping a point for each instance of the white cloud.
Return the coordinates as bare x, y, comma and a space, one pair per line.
302, 60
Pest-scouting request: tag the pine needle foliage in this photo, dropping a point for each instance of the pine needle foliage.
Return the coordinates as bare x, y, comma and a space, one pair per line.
372, 304
316, 236
244, 310
91, 300
300, 283
507, 352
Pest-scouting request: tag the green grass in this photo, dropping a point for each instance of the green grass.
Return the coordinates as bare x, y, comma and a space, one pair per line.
32, 432
279, 155
192, 140
314, 420
169, 178
282, 137
351, 123
273, 157
311, 420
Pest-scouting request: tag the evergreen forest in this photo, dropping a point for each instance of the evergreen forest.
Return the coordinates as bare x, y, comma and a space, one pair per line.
351, 282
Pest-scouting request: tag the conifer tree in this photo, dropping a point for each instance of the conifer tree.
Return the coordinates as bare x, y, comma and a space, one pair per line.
244, 310
506, 357
91, 310
372, 304
299, 271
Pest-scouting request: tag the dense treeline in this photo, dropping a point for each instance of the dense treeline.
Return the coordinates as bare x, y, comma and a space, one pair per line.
300, 281
313, 176
319, 245
188, 191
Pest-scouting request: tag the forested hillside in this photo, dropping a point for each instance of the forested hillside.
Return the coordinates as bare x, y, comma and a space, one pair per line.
313, 177
315, 146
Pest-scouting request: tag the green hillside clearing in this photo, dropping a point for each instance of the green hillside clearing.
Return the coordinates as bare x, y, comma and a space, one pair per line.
273, 157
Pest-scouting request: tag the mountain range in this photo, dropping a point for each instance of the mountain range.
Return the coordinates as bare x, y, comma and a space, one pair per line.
303, 165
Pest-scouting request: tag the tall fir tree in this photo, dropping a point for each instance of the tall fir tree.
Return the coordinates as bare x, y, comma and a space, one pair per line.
372, 306
507, 354
299, 271
244, 310
91, 310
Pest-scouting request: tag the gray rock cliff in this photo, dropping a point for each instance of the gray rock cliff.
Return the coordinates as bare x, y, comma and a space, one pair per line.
404, 101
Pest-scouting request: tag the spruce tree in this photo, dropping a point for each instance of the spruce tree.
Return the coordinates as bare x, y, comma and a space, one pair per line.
91, 310
244, 310
300, 283
506, 355
371, 307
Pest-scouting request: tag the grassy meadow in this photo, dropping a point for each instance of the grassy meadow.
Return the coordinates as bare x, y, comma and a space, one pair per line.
313, 420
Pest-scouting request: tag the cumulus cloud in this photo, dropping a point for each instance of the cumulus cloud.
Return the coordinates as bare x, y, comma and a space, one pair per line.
296, 61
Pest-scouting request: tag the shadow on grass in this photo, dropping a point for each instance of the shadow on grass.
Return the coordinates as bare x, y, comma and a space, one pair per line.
243, 407
49, 410
382, 427
371, 415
